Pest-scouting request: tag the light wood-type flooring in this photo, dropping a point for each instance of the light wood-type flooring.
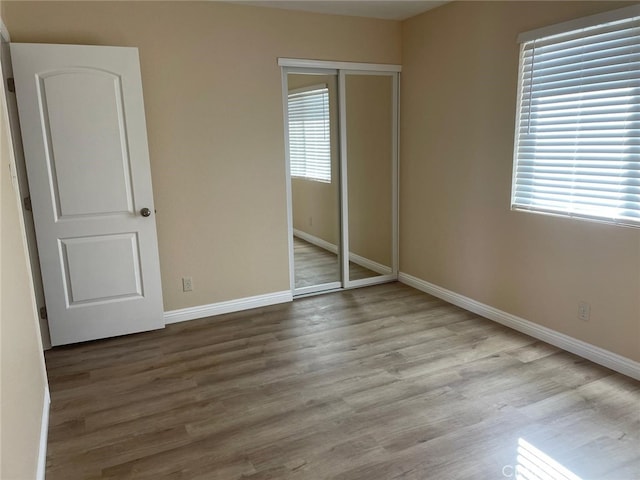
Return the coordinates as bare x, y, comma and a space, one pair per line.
314, 265
377, 383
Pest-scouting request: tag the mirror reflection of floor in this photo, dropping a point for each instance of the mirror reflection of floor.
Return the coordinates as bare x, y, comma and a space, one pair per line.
315, 265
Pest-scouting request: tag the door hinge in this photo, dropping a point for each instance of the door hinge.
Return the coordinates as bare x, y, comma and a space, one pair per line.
43, 313
27, 204
11, 85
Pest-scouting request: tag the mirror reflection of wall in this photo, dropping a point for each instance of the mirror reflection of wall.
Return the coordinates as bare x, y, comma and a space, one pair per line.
369, 128
315, 179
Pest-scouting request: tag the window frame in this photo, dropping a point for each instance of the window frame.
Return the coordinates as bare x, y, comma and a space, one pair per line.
574, 26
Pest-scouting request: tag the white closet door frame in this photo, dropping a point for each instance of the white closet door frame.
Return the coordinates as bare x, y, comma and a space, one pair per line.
323, 287
305, 65
344, 194
341, 69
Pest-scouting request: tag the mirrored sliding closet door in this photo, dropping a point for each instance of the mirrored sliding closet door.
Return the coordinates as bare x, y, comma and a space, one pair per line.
368, 160
314, 172
341, 146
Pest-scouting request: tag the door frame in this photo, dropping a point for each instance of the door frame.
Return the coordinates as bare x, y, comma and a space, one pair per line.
306, 66
23, 188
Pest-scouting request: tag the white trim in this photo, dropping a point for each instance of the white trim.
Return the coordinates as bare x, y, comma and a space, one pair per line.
370, 264
578, 23
598, 355
44, 433
395, 178
366, 282
311, 71
344, 190
317, 289
371, 73
287, 173
230, 306
305, 63
353, 257
317, 241
514, 161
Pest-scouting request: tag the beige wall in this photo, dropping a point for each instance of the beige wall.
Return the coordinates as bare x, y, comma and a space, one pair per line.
23, 379
458, 108
315, 205
214, 117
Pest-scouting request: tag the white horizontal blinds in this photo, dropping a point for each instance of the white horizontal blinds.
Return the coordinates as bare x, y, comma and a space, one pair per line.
578, 131
309, 134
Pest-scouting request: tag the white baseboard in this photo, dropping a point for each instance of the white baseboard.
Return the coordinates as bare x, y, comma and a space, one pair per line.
317, 241
353, 257
44, 433
202, 311
370, 264
598, 355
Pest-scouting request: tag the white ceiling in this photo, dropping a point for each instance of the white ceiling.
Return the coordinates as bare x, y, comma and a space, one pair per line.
386, 9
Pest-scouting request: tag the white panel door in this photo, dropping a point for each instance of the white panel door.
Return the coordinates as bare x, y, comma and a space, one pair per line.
85, 144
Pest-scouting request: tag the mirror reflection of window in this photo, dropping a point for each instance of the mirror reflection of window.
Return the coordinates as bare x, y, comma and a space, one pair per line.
312, 110
309, 134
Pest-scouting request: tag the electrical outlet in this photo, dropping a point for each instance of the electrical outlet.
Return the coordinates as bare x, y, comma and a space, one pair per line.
584, 311
187, 284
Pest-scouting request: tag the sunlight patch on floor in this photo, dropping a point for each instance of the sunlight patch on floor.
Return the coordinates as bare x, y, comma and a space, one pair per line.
534, 464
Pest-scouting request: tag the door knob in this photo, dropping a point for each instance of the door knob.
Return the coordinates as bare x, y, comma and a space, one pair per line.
145, 212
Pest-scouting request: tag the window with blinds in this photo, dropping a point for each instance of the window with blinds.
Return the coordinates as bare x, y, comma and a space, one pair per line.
309, 134
577, 149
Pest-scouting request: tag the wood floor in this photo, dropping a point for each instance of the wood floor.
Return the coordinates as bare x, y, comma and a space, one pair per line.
381, 383
314, 265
